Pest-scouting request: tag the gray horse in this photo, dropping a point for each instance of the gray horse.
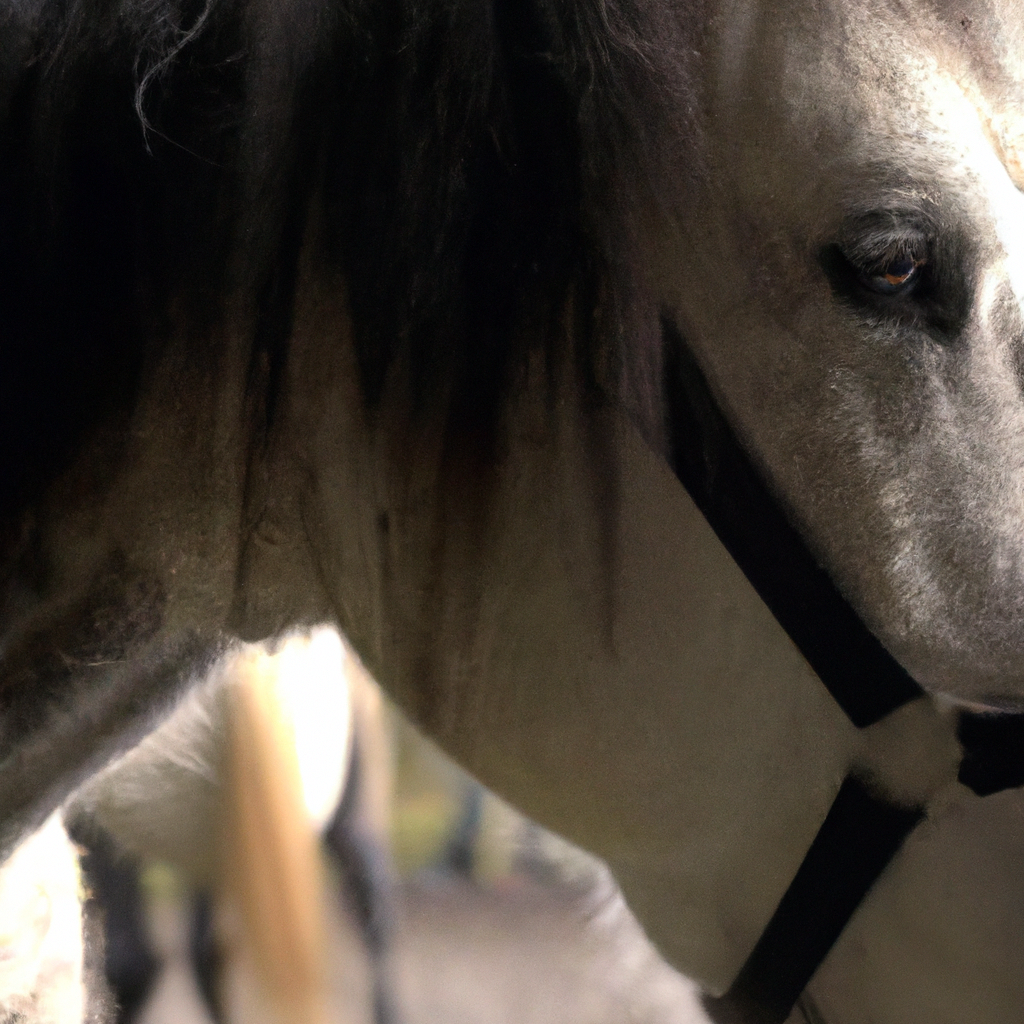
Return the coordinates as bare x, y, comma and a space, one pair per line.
457, 324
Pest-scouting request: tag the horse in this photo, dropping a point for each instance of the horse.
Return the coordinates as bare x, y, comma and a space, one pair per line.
636, 384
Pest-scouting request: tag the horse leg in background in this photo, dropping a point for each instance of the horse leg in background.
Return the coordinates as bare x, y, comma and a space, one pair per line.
357, 839
113, 894
205, 954
272, 886
355, 832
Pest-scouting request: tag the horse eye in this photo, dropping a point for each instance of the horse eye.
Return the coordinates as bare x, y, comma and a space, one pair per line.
899, 275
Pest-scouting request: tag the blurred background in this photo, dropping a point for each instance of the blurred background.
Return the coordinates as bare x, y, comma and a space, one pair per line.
435, 901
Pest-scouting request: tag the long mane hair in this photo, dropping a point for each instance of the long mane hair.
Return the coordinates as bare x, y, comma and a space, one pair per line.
475, 171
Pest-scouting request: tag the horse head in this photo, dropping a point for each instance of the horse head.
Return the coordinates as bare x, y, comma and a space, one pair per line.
849, 280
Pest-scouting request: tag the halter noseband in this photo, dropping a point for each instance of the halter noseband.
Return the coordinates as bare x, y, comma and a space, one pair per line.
862, 831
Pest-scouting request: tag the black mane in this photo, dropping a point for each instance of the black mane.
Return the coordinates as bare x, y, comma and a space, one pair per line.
472, 165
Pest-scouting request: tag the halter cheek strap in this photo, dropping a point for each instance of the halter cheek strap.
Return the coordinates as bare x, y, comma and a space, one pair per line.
863, 830
860, 674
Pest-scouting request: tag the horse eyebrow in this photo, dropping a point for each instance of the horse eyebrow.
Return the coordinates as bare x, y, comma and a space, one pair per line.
881, 225
882, 191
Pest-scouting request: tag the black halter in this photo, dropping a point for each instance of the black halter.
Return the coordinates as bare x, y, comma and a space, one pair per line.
862, 832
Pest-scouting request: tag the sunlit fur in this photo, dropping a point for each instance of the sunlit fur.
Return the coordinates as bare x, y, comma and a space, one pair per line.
41, 941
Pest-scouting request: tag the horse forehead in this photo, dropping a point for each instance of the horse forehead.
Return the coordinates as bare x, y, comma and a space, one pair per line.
853, 107
963, 71
868, 65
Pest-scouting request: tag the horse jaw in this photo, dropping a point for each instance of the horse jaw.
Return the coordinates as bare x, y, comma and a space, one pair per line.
895, 442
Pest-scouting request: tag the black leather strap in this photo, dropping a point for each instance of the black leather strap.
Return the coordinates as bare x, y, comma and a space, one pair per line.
863, 677
862, 832
858, 838
993, 751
